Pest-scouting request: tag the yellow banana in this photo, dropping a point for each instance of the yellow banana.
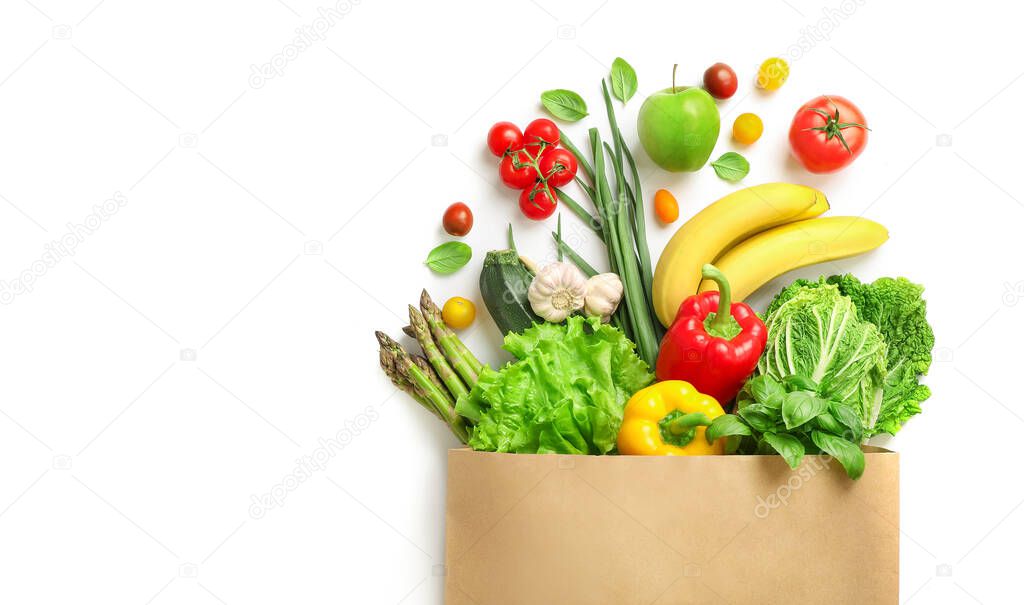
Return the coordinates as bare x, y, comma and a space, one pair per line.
767, 255
720, 226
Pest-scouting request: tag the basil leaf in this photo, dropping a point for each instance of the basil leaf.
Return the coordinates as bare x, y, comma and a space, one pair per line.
744, 398
848, 454
731, 166
757, 419
449, 257
788, 446
760, 408
623, 80
767, 391
797, 382
800, 406
828, 423
849, 418
564, 104
726, 426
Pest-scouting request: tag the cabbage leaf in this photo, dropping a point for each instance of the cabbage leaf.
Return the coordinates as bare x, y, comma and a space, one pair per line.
816, 333
897, 308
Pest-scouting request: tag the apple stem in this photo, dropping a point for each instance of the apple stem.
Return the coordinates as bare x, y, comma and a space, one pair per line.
674, 66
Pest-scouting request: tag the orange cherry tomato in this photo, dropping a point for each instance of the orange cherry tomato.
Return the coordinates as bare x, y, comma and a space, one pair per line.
666, 208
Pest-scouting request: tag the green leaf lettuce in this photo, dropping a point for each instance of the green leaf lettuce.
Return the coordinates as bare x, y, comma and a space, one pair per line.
565, 394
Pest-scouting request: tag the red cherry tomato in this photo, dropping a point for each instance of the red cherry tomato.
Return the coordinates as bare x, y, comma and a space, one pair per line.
558, 166
458, 219
504, 136
827, 134
720, 81
517, 171
540, 130
538, 203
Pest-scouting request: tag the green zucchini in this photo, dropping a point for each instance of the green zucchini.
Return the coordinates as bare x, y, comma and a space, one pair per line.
504, 283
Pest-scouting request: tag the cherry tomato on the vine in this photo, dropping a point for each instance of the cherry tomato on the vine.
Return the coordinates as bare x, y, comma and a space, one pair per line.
538, 203
720, 81
558, 166
517, 171
504, 136
828, 133
541, 129
458, 219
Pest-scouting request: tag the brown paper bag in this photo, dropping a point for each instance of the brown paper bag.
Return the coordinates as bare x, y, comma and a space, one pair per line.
631, 530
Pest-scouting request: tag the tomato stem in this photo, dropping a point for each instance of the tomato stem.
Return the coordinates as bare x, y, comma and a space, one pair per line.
833, 128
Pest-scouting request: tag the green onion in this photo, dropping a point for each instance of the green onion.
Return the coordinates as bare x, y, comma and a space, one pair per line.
580, 158
589, 219
620, 222
576, 259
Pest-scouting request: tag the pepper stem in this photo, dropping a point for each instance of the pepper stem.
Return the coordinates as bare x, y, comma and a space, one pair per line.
723, 317
679, 429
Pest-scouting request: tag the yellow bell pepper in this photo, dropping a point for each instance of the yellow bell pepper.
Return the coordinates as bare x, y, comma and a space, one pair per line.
669, 418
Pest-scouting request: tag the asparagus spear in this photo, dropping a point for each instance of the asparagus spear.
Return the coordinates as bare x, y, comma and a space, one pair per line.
439, 399
467, 365
444, 370
424, 365
387, 363
409, 331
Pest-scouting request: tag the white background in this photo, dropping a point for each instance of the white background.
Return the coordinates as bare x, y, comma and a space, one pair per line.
195, 345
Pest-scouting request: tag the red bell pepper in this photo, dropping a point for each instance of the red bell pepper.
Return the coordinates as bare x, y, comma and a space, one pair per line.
713, 344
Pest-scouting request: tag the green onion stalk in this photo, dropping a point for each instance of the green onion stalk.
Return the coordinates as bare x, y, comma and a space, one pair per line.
620, 222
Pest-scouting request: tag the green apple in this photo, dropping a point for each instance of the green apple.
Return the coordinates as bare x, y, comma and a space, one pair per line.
678, 128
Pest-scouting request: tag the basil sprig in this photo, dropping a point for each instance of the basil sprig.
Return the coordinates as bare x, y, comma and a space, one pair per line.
791, 419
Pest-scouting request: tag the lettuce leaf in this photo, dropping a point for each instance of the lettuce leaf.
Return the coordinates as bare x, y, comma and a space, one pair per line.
564, 395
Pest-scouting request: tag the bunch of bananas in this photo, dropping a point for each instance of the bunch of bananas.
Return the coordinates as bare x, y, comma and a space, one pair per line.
754, 235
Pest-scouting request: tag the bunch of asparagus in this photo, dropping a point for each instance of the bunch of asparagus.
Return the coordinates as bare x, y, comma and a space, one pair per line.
445, 371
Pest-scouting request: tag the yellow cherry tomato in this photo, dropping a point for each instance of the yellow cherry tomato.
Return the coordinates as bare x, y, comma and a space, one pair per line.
666, 208
458, 313
772, 74
747, 128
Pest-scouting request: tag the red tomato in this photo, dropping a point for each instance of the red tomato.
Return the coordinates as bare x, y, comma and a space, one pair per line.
458, 219
828, 133
720, 81
541, 129
517, 171
538, 203
558, 166
504, 136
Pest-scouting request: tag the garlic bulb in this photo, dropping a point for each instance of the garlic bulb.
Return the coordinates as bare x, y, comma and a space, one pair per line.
604, 292
557, 291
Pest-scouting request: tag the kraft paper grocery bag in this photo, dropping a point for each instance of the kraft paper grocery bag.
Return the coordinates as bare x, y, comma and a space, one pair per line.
628, 530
